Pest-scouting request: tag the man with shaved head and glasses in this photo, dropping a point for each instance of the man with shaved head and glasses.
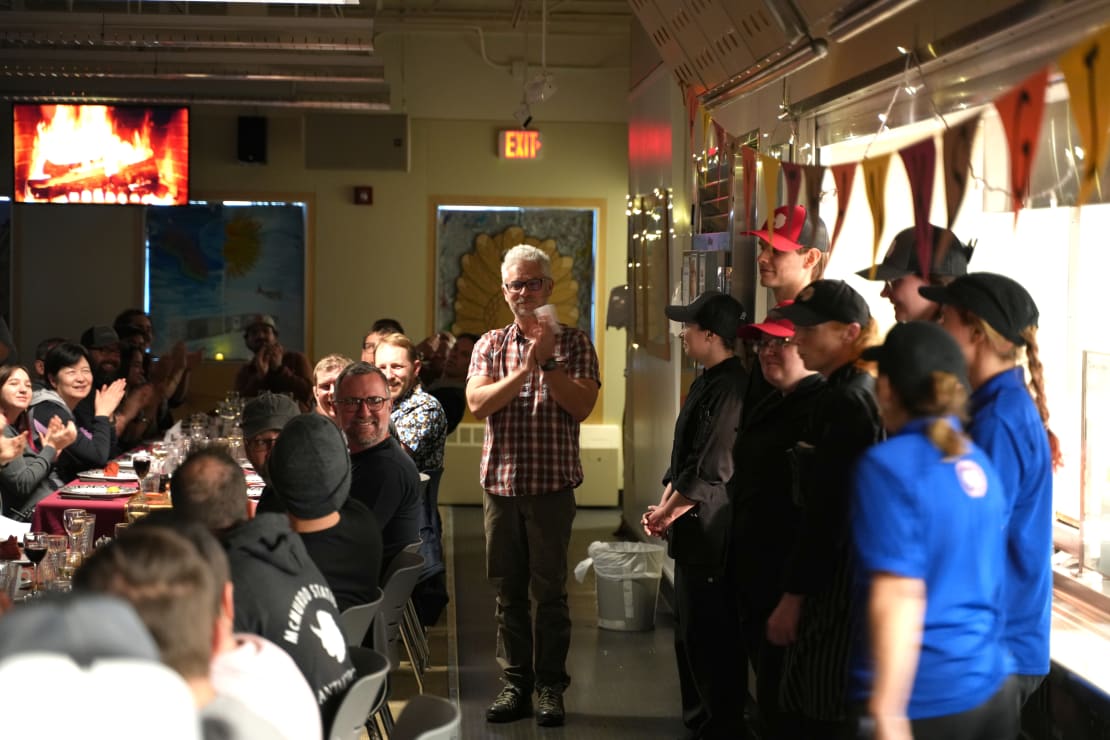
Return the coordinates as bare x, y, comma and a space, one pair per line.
383, 476
533, 382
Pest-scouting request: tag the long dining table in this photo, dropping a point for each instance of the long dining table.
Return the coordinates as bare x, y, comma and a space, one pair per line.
109, 509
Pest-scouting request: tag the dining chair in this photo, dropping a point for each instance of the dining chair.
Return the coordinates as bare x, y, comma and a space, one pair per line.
427, 717
356, 620
365, 696
386, 629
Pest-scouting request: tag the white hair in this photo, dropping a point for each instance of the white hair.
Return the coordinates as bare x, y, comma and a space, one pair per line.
525, 254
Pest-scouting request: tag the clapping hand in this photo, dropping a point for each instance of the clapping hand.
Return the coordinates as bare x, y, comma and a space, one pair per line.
59, 435
269, 357
108, 397
12, 447
542, 334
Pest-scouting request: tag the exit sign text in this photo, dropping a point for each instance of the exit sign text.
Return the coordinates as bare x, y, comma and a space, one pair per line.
519, 144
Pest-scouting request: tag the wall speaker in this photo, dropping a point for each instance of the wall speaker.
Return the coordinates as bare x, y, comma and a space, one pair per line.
252, 139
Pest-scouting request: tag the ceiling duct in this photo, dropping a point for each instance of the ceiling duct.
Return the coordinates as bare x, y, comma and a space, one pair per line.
725, 49
305, 62
715, 46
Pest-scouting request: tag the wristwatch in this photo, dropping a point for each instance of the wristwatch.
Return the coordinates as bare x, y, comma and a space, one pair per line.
550, 364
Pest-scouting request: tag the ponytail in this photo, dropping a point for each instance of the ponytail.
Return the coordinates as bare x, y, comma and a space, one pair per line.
946, 438
942, 396
1036, 390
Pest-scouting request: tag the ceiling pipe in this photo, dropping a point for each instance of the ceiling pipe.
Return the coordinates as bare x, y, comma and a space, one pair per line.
870, 15
748, 82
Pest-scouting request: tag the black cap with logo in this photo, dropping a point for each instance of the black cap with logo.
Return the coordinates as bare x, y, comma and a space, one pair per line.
827, 300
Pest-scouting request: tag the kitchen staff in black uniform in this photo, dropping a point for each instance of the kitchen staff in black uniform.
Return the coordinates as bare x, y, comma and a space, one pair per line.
695, 514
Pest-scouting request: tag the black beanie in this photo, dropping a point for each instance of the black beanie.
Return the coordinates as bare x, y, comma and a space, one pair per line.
310, 468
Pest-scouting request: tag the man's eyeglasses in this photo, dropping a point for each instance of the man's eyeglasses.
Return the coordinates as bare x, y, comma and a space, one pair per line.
373, 403
518, 285
771, 343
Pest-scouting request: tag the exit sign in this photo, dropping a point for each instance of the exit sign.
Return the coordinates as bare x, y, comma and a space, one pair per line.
519, 144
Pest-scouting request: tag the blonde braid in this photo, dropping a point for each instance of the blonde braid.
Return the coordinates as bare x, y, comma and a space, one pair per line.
1036, 390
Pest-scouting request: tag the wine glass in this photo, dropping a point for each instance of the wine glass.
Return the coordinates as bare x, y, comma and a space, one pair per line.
34, 547
74, 522
141, 464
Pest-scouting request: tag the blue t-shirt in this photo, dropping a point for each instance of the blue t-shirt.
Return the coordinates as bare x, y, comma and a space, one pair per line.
941, 520
1006, 425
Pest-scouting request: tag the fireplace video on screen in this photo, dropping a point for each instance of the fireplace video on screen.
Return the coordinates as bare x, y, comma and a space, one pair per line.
130, 155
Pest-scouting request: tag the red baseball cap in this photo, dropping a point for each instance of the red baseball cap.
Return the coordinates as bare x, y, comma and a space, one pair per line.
795, 229
775, 324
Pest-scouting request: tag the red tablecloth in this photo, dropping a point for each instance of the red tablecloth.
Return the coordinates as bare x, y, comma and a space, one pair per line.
108, 511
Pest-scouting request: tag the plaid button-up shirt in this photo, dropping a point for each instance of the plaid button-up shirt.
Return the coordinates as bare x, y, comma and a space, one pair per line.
531, 445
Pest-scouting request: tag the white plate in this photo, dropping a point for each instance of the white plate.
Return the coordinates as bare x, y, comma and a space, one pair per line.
97, 474
94, 490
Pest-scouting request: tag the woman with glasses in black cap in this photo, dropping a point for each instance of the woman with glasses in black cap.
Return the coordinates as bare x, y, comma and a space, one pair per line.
765, 514
695, 515
993, 319
928, 519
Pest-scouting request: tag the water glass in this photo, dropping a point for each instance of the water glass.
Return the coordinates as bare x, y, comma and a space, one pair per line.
9, 579
87, 534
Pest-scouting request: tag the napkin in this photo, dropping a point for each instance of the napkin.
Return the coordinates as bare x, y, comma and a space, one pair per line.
12, 528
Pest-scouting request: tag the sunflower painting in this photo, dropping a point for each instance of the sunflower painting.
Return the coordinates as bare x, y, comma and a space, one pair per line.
471, 243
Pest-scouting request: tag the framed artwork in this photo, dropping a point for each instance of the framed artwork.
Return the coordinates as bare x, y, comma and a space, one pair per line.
649, 233
212, 266
471, 239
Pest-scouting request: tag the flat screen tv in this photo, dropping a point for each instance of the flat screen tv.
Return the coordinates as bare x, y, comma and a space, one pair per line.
112, 154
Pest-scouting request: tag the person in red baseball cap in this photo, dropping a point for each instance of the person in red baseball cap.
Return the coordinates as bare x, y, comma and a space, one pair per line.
793, 251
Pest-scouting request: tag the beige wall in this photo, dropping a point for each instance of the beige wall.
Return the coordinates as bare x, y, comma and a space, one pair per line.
370, 261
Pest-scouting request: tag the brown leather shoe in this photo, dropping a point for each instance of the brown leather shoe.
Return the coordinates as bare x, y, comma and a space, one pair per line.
549, 709
510, 705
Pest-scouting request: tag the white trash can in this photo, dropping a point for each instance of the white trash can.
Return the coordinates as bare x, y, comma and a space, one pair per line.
628, 575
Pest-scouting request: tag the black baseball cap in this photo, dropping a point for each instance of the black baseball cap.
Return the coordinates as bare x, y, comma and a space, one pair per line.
1000, 301
913, 351
713, 310
901, 258
827, 300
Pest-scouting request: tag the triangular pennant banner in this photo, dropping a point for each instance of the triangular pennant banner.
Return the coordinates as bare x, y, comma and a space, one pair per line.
957, 164
844, 175
815, 177
792, 176
920, 160
771, 168
1086, 69
874, 184
722, 139
747, 158
1021, 111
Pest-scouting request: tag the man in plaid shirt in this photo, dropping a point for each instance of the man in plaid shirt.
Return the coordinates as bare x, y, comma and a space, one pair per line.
533, 382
